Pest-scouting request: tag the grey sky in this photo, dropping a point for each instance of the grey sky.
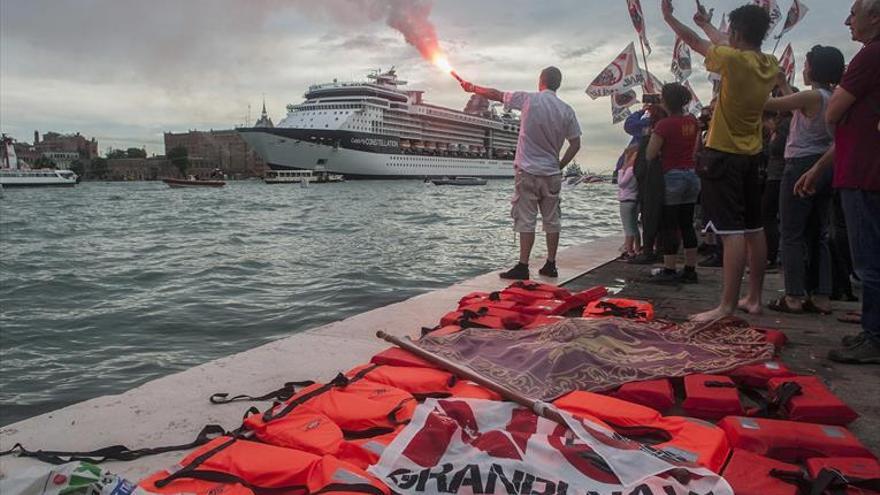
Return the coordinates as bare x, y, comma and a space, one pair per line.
125, 71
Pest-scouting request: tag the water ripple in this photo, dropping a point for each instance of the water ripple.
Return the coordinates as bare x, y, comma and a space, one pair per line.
107, 286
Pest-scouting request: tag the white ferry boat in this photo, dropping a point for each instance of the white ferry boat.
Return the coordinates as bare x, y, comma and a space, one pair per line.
12, 174
301, 176
376, 130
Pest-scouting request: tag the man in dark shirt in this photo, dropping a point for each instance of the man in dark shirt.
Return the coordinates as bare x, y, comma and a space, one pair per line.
854, 111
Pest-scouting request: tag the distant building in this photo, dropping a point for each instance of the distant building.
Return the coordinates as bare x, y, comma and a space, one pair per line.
61, 159
140, 169
53, 142
224, 149
264, 121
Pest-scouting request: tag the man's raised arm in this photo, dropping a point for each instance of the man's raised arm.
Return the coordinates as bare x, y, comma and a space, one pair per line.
703, 19
490, 93
688, 35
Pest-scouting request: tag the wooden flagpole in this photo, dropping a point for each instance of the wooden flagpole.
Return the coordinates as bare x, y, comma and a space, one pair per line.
647, 72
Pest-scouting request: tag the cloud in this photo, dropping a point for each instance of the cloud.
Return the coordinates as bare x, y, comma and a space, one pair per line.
125, 70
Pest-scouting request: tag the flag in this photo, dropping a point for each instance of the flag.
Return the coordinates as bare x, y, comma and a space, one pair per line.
621, 75
620, 103
796, 14
656, 85
681, 60
787, 63
599, 354
772, 8
695, 106
724, 27
471, 446
635, 13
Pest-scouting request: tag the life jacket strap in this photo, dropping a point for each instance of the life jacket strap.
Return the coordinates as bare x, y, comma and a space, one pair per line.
114, 452
832, 482
282, 394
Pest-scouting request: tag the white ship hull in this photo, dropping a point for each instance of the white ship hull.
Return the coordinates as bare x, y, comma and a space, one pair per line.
281, 152
37, 178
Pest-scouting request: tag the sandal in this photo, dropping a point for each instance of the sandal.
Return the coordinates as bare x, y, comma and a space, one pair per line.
781, 305
852, 317
810, 307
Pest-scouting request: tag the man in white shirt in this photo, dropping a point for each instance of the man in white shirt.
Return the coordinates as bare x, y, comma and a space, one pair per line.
546, 122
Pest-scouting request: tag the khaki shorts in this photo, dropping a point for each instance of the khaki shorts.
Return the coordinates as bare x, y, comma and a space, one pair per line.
533, 193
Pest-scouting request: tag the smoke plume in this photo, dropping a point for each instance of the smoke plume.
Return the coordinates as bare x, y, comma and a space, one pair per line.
409, 17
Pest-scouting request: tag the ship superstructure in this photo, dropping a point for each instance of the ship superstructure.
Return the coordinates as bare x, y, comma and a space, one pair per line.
376, 129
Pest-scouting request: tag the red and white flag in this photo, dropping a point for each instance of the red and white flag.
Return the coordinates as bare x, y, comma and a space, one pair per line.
773, 9
621, 75
620, 103
787, 63
682, 63
653, 84
695, 106
635, 13
796, 14
465, 447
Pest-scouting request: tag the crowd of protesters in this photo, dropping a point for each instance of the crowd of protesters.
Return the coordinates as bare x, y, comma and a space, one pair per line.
774, 176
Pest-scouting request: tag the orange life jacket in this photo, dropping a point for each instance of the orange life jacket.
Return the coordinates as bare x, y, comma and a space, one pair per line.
230, 466
790, 441
775, 337
559, 307
395, 356
656, 394
319, 418
751, 474
711, 397
623, 308
534, 291
812, 402
691, 439
845, 475
757, 375
486, 317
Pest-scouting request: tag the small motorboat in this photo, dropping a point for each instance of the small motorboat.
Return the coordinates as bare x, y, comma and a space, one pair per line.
459, 181
193, 182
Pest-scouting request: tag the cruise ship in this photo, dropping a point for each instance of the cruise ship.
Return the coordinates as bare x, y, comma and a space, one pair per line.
377, 130
13, 173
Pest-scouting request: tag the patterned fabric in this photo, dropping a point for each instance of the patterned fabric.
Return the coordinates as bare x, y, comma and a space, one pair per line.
600, 354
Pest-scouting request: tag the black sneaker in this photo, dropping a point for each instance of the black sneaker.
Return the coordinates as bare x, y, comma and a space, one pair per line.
549, 269
664, 277
713, 261
645, 259
519, 272
865, 352
688, 276
853, 340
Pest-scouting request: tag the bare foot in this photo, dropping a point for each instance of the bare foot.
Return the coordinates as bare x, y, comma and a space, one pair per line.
713, 315
747, 305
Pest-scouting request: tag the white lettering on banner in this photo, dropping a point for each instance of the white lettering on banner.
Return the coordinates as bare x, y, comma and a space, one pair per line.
469, 447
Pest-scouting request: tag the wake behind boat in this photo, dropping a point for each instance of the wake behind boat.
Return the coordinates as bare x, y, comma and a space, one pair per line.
459, 181
193, 182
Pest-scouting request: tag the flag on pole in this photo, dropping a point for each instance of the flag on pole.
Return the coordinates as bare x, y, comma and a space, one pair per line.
635, 13
681, 60
772, 8
796, 14
620, 103
621, 75
787, 63
471, 446
653, 85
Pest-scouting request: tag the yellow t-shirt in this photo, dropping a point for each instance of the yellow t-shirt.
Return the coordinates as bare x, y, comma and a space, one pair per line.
747, 78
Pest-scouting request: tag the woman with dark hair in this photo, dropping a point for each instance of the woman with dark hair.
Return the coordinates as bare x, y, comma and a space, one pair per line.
674, 141
805, 222
650, 179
